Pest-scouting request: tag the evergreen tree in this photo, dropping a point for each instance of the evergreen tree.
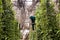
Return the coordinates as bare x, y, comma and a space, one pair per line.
52, 22
46, 22
1, 11
41, 21
58, 22
9, 24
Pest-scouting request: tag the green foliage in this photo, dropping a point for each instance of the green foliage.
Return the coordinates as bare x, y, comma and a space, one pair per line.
47, 22
1, 11
9, 26
59, 5
32, 35
52, 23
41, 21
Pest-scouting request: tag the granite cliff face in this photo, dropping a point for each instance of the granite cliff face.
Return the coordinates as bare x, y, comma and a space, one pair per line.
23, 13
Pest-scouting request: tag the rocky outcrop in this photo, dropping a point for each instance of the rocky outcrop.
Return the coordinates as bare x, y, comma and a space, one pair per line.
23, 12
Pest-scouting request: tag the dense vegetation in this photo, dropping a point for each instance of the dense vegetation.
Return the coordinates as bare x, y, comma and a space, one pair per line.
1, 11
8, 25
47, 25
47, 22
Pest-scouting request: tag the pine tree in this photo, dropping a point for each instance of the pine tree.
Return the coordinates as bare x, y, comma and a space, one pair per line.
46, 22
41, 21
9, 24
1, 11
58, 22
52, 23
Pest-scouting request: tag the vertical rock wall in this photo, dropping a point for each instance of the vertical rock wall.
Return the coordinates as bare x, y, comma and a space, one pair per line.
23, 14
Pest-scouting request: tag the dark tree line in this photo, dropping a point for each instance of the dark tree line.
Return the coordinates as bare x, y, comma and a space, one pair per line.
8, 25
